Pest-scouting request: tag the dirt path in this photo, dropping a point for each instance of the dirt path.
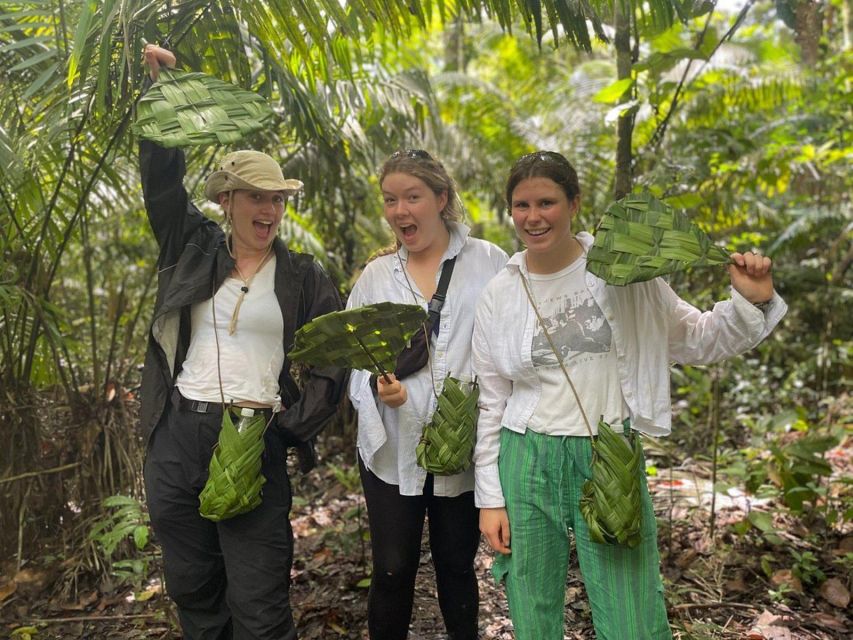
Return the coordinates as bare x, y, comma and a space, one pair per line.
718, 590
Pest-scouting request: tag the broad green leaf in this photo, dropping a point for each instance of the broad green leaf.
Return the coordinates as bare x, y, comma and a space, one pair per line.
614, 91
761, 520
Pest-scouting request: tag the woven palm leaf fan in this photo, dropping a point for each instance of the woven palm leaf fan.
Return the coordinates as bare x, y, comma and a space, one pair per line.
611, 500
640, 238
234, 482
369, 337
447, 442
191, 108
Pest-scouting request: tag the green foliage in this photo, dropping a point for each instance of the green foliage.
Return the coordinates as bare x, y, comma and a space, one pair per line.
807, 567
124, 521
347, 476
727, 124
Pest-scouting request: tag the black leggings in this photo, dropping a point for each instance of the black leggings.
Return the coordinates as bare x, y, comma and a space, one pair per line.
396, 526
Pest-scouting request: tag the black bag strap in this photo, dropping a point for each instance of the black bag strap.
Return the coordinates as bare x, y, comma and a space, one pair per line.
438, 298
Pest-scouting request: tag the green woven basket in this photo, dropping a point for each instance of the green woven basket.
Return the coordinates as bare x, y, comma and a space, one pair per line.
369, 337
611, 501
234, 482
191, 108
640, 238
447, 443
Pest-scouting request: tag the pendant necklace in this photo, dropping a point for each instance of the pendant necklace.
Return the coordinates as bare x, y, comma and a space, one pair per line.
232, 326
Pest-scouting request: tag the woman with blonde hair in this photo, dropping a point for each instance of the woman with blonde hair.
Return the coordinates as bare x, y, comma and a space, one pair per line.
432, 245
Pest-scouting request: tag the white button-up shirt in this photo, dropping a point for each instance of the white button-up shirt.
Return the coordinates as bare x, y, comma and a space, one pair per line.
651, 327
387, 437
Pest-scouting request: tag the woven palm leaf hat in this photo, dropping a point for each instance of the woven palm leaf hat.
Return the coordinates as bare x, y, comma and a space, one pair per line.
248, 170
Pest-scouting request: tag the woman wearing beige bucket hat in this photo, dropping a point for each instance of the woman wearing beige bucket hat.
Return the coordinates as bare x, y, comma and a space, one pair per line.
229, 300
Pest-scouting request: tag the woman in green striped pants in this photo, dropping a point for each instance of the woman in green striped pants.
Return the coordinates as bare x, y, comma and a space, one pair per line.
554, 344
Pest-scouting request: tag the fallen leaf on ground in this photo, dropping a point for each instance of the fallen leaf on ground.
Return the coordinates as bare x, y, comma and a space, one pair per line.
148, 593
827, 621
835, 593
31, 582
7, 589
82, 604
686, 558
787, 578
736, 585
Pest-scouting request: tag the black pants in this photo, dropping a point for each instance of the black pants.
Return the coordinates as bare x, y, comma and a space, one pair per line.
396, 526
229, 579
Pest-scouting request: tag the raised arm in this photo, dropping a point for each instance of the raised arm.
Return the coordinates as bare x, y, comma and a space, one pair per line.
732, 326
170, 213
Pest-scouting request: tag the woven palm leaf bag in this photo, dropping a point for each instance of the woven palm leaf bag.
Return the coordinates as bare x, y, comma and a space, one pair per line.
446, 446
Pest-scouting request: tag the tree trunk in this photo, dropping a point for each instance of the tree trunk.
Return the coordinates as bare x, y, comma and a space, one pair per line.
809, 20
625, 124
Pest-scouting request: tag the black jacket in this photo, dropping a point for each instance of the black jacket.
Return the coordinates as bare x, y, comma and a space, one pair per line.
193, 263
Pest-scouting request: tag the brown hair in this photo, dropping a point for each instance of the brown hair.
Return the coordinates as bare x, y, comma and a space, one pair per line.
420, 164
544, 164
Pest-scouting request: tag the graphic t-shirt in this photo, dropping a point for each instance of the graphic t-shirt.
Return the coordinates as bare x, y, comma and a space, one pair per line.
584, 342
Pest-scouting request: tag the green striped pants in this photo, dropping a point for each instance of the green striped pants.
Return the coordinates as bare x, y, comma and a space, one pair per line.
541, 477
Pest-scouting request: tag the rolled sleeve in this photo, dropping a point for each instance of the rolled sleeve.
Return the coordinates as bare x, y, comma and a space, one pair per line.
730, 328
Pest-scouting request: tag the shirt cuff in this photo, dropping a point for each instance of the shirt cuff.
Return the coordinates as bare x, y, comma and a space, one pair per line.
487, 487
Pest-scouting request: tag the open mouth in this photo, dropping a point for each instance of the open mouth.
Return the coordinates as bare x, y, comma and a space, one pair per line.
408, 231
262, 227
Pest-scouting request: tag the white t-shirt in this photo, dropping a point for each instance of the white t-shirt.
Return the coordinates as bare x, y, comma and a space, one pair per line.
584, 341
251, 359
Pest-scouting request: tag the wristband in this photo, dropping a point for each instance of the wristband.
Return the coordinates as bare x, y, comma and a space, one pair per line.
762, 306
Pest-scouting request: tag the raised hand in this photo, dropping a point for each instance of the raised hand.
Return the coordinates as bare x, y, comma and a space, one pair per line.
155, 56
751, 277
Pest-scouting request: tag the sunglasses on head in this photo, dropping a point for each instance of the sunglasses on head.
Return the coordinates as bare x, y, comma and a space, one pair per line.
412, 154
542, 156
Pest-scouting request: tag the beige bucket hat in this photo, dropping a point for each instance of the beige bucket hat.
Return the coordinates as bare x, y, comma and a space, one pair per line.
248, 170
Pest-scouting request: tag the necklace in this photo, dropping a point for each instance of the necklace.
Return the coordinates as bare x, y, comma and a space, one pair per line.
232, 326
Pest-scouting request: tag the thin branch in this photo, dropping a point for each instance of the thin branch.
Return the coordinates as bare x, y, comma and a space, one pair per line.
135, 616
660, 130
42, 472
714, 605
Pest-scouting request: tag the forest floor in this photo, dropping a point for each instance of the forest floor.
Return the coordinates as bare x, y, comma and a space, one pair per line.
734, 585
